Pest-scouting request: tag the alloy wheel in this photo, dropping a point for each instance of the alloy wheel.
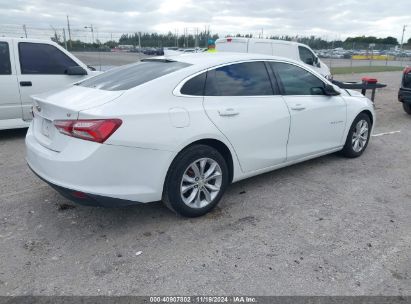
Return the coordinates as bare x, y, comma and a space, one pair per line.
360, 136
201, 183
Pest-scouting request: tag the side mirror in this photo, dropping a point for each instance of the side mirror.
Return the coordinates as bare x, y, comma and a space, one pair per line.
331, 90
76, 70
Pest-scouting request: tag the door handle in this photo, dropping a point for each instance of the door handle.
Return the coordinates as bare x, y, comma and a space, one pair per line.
298, 107
228, 112
25, 83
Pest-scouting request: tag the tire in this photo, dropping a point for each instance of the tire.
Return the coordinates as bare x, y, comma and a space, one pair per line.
183, 175
407, 107
355, 143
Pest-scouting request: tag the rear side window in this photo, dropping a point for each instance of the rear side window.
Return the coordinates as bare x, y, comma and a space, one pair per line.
297, 81
241, 79
130, 76
195, 86
306, 55
5, 66
46, 59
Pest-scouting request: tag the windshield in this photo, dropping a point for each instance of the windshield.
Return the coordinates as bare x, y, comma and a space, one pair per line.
130, 76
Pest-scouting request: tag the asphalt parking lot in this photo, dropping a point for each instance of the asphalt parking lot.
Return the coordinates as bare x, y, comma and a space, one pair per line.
329, 226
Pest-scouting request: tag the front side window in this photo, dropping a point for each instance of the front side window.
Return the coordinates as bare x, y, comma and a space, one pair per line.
306, 55
297, 81
241, 79
39, 58
130, 76
5, 66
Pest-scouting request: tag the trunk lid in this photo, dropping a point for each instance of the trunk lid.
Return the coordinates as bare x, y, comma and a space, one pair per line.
62, 105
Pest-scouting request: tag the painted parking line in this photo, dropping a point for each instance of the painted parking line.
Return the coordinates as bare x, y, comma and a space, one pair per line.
386, 133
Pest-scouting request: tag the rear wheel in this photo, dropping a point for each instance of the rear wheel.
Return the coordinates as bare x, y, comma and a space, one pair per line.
407, 107
196, 181
358, 136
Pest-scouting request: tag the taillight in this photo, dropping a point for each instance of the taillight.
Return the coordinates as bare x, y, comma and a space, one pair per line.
97, 130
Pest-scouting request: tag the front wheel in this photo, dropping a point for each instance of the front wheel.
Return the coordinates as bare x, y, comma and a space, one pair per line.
407, 107
358, 136
196, 181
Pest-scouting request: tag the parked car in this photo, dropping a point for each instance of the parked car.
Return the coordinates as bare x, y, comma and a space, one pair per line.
283, 48
181, 129
29, 66
404, 94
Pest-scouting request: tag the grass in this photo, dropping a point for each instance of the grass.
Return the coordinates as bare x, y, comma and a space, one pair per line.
364, 69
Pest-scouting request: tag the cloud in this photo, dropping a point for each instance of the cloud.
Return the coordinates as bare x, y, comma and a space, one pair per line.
330, 20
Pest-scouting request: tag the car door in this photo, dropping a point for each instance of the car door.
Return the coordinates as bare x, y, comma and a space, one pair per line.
43, 67
239, 99
10, 106
317, 120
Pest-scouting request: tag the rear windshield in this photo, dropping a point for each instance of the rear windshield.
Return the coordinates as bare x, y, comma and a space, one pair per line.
130, 76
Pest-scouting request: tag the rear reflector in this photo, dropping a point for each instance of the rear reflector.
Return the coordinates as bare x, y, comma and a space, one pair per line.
97, 130
80, 195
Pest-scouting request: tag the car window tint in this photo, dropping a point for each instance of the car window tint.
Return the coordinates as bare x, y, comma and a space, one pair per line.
297, 81
39, 58
130, 76
241, 79
5, 66
194, 86
407, 81
306, 55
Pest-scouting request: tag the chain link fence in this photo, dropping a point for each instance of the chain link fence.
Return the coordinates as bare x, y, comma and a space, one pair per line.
105, 48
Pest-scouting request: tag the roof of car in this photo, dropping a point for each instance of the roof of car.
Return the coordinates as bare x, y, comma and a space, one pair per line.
216, 58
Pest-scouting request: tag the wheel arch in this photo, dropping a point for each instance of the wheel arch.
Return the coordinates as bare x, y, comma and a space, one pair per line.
219, 145
369, 114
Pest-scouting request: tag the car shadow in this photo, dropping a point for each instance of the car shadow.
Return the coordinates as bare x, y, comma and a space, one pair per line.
13, 133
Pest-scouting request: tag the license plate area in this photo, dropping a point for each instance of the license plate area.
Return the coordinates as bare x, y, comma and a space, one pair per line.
46, 127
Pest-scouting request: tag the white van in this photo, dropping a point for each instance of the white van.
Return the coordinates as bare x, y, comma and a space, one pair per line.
281, 48
31, 66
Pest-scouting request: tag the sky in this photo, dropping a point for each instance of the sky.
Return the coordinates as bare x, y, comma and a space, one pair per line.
323, 18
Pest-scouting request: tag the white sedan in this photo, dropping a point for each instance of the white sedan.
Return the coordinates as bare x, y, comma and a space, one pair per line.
181, 129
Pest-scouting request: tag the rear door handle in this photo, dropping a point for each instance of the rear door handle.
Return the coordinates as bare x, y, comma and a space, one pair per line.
298, 107
228, 112
25, 83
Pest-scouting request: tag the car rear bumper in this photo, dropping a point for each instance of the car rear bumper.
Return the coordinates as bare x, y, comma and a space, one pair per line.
88, 199
103, 173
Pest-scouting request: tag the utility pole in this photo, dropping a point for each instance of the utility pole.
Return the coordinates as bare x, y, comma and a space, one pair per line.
25, 30
69, 30
64, 37
402, 38
92, 31
402, 42
196, 39
176, 34
139, 41
56, 37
